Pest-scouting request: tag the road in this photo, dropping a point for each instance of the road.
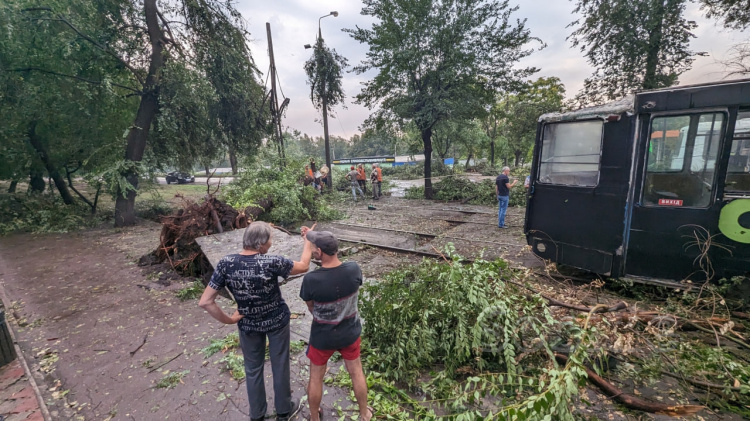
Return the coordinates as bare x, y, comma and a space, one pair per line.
202, 180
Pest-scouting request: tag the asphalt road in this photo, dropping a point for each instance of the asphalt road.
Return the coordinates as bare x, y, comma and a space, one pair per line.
202, 180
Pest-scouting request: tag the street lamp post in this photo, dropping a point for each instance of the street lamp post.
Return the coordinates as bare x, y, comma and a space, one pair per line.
325, 103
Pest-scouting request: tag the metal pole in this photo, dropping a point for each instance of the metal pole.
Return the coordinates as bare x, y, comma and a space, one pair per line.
274, 98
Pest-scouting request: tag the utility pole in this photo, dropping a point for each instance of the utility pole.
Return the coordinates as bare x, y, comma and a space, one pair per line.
275, 112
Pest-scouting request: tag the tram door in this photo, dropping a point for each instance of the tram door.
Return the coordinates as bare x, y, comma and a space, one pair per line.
677, 205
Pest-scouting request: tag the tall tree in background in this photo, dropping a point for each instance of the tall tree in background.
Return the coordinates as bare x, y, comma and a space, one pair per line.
324, 73
438, 60
633, 44
520, 112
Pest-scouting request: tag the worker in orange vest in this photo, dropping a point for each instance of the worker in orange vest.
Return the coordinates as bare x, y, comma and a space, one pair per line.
362, 177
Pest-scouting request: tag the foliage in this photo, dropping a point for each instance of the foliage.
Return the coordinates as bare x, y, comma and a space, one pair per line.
468, 327
411, 171
732, 13
633, 45
518, 114
192, 292
292, 201
324, 73
234, 363
438, 60
225, 344
42, 214
457, 188
171, 380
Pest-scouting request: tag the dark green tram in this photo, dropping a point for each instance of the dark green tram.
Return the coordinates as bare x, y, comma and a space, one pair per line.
656, 184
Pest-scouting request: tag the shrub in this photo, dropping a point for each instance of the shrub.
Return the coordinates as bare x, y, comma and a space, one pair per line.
292, 201
43, 213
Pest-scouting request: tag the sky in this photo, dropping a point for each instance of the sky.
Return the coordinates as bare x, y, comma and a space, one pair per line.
294, 23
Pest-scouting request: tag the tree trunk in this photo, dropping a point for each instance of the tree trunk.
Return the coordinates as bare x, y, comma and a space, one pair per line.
207, 171
427, 140
492, 153
36, 180
233, 160
651, 80
468, 159
125, 204
518, 154
54, 174
12, 187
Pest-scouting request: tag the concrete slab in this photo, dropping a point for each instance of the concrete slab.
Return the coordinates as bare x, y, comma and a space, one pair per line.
217, 246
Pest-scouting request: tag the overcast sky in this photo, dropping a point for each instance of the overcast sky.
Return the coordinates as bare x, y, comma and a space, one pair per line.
295, 23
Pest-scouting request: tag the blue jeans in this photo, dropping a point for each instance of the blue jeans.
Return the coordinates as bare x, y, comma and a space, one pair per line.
253, 346
502, 202
354, 192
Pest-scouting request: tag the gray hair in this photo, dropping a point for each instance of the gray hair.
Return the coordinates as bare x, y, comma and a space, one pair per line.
505, 169
256, 234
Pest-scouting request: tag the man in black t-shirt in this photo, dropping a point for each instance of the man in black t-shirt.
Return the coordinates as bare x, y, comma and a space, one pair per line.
502, 190
252, 276
331, 294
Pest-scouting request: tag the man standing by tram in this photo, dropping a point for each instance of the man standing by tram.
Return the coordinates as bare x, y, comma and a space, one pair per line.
502, 190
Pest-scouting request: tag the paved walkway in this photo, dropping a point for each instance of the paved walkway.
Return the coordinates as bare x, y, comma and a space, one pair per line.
20, 399
17, 398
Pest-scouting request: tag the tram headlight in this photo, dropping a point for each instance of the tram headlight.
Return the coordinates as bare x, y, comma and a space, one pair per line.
540, 247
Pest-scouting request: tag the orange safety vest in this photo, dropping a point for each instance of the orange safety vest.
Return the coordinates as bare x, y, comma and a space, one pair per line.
361, 174
380, 174
310, 173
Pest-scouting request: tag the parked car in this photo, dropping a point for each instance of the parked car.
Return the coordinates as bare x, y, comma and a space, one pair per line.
179, 177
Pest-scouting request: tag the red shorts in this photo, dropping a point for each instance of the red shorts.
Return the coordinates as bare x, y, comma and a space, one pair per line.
320, 357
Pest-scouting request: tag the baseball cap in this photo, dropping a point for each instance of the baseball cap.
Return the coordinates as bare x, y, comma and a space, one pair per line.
324, 240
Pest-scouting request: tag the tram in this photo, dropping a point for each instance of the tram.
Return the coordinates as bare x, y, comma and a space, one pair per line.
656, 184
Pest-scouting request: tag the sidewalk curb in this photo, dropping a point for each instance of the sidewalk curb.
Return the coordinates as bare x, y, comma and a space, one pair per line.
40, 400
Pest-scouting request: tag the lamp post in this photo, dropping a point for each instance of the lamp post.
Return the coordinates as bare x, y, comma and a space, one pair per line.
325, 103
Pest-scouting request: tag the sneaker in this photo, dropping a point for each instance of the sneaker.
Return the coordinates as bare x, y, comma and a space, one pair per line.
289, 415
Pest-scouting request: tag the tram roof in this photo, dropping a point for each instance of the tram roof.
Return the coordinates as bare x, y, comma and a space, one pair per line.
626, 104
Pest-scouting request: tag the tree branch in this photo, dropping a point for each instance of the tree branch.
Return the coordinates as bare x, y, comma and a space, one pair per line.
82, 79
122, 61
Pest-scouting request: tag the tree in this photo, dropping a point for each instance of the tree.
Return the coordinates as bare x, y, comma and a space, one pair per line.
438, 60
732, 13
324, 74
187, 40
59, 115
633, 44
519, 113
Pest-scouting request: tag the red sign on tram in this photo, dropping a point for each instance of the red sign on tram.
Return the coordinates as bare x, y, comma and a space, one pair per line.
670, 202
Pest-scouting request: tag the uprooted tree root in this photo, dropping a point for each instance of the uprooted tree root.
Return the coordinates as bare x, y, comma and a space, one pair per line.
177, 244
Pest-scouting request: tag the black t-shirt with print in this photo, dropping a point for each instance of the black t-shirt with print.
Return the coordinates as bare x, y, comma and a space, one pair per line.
334, 293
253, 280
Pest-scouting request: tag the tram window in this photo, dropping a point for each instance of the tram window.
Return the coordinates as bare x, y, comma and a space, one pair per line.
738, 172
571, 153
681, 160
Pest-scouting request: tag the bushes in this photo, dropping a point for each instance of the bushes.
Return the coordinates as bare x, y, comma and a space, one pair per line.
291, 200
43, 214
458, 188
